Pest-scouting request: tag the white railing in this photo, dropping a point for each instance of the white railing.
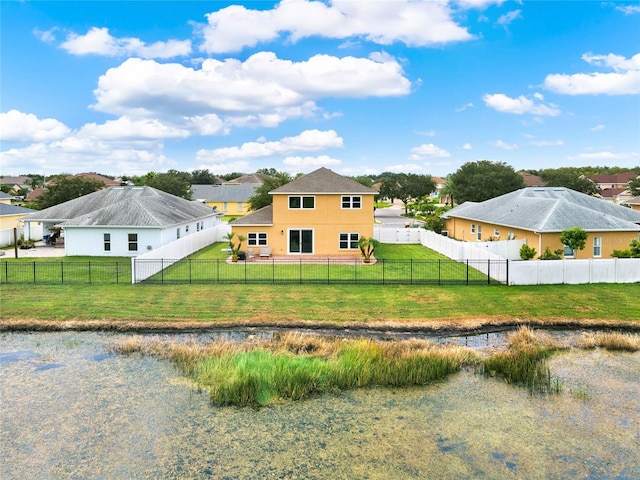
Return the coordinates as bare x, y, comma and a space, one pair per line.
175, 251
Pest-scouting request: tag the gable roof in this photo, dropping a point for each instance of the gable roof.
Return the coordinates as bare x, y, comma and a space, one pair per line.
226, 192
262, 217
5, 195
531, 180
257, 177
549, 209
323, 181
15, 180
618, 178
124, 206
101, 178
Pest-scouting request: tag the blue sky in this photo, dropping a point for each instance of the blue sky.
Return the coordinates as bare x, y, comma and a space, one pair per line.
356, 86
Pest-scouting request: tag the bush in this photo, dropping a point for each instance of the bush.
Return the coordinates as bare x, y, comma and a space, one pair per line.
632, 252
549, 255
527, 252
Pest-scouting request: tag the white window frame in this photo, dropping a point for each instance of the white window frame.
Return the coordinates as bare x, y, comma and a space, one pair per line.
473, 228
224, 206
496, 232
301, 199
349, 202
106, 237
257, 239
479, 236
132, 240
350, 239
597, 247
239, 206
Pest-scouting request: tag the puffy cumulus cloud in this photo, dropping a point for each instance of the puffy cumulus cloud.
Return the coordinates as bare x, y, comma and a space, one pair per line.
74, 154
98, 41
25, 127
467, 146
221, 167
428, 150
520, 105
124, 128
307, 141
307, 164
623, 80
263, 87
413, 22
405, 168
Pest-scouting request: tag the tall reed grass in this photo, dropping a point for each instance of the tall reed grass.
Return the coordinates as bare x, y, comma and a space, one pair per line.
611, 341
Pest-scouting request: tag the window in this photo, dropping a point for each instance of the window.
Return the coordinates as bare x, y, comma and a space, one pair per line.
349, 241
568, 251
473, 228
133, 242
479, 237
186, 229
511, 236
301, 241
351, 201
496, 232
178, 232
224, 206
302, 202
198, 227
107, 242
597, 246
258, 239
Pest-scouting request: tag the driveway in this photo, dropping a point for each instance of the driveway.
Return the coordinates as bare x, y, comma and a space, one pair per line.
41, 250
390, 217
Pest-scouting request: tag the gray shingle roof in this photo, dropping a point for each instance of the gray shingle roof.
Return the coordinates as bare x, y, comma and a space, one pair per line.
263, 216
124, 206
6, 209
323, 181
549, 209
241, 192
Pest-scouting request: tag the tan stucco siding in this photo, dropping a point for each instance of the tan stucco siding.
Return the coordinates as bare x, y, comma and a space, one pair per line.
11, 221
460, 229
237, 209
327, 220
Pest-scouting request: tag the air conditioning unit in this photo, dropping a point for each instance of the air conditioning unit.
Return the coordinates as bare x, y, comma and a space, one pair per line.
444, 233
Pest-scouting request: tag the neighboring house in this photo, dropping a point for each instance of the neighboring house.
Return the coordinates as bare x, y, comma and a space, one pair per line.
435, 195
101, 178
5, 198
615, 195
33, 195
123, 221
321, 213
619, 180
531, 180
228, 198
633, 203
256, 178
540, 214
17, 183
11, 217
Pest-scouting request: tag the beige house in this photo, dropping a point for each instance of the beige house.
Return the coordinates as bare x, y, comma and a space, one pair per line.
321, 213
540, 214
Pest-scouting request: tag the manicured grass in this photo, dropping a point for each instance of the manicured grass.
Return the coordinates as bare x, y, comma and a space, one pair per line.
322, 304
57, 270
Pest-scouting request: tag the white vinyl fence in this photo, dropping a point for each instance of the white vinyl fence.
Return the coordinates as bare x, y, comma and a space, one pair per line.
174, 251
519, 272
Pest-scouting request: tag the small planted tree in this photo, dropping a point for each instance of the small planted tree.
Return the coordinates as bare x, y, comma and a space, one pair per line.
527, 252
367, 246
575, 238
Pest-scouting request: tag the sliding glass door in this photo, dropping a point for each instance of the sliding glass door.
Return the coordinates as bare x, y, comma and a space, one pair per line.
300, 241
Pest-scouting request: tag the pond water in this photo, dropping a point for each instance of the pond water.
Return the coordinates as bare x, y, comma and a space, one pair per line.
69, 409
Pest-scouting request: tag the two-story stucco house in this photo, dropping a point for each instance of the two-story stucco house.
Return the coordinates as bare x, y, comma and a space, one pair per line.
540, 214
321, 213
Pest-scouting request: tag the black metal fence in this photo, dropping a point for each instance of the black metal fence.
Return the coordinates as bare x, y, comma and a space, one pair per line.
275, 271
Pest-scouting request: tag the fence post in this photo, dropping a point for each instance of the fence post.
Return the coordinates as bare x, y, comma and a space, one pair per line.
507, 271
383, 264
117, 274
62, 272
162, 271
467, 271
190, 270
89, 273
245, 269
488, 271
411, 271
439, 268
34, 271
328, 272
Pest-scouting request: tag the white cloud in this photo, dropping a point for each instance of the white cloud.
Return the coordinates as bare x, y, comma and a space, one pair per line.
504, 145
125, 128
597, 128
307, 164
428, 133
604, 156
428, 150
464, 107
46, 36
546, 143
415, 23
405, 168
98, 41
479, 3
467, 146
307, 141
628, 9
624, 80
223, 167
26, 127
509, 17
520, 105
262, 90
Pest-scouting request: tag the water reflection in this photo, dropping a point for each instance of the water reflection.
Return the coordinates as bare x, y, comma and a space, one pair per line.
98, 415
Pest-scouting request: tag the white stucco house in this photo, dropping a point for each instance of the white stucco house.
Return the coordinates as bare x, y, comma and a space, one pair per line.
122, 221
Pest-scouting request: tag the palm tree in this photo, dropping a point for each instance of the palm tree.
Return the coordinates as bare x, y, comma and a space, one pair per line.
367, 246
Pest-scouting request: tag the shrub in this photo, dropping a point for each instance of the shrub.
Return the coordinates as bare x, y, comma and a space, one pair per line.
527, 252
549, 255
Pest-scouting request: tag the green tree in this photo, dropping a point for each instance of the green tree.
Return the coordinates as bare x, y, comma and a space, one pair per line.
484, 179
406, 187
634, 187
5, 188
202, 177
173, 182
261, 197
574, 238
446, 192
570, 177
67, 188
527, 252
367, 246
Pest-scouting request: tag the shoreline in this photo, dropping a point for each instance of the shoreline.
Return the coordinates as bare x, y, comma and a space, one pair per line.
443, 327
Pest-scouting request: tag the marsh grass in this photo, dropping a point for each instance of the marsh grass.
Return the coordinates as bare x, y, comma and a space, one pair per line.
524, 362
295, 366
611, 341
